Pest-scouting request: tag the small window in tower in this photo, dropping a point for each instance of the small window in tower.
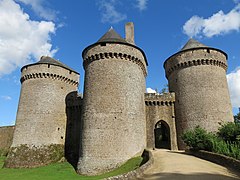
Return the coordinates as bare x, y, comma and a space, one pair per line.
61, 137
48, 65
103, 44
208, 50
70, 72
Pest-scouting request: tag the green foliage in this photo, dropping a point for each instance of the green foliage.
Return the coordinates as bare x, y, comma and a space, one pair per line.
226, 148
220, 147
3, 152
62, 171
198, 139
165, 89
237, 118
2, 158
225, 142
229, 132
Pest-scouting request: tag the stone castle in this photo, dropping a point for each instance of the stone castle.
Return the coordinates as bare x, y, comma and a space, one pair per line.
115, 119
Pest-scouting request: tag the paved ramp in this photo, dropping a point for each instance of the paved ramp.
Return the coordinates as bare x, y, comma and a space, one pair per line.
169, 165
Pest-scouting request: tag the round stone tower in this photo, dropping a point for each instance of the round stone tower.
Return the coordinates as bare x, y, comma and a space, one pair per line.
114, 127
39, 136
197, 75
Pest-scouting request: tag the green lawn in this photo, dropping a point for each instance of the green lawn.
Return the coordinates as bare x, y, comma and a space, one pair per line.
60, 171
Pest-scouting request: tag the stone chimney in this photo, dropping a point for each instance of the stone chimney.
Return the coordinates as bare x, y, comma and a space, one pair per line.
129, 33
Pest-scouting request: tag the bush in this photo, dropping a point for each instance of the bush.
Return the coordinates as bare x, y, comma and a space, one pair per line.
198, 139
220, 147
226, 143
226, 148
229, 132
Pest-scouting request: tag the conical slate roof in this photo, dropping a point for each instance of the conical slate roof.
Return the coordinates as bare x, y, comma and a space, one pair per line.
111, 36
51, 61
192, 44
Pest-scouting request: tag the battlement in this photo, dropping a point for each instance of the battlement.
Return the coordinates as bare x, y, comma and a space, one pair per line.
156, 99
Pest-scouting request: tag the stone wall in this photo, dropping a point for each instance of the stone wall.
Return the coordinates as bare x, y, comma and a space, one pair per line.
198, 78
220, 159
74, 122
160, 107
6, 136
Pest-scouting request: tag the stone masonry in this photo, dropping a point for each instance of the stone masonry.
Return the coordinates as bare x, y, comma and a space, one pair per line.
160, 107
114, 120
114, 127
6, 136
197, 75
41, 117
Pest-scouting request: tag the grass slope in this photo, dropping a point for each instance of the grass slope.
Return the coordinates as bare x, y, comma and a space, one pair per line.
60, 171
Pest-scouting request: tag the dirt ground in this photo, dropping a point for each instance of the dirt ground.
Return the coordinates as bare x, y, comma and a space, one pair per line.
176, 165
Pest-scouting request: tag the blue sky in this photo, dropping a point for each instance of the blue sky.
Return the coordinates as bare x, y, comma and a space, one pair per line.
62, 29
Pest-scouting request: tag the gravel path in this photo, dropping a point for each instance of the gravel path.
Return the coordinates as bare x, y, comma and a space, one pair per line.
169, 165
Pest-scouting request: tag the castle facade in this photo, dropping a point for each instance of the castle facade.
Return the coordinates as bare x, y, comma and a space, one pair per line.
115, 119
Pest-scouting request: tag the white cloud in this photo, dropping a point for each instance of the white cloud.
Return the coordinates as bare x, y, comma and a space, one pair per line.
150, 90
21, 39
193, 26
142, 4
234, 87
109, 12
236, 1
7, 98
38, 6
218, 24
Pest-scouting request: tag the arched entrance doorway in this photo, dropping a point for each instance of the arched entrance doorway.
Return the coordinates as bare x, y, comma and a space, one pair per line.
162, 135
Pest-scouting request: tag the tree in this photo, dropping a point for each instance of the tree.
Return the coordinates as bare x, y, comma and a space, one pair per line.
229, 132
164, 89
237, 118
